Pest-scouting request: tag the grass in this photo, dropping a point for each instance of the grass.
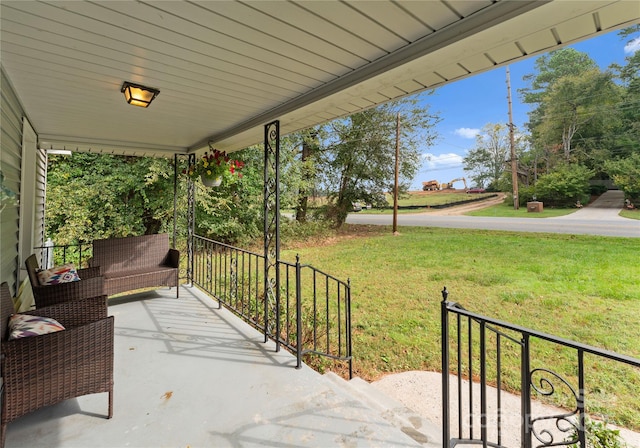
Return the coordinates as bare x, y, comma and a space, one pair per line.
425, 200
430, 199
583, 288
507, 211
632, 214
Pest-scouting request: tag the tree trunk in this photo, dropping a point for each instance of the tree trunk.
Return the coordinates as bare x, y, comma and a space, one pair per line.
306, 177
303, 192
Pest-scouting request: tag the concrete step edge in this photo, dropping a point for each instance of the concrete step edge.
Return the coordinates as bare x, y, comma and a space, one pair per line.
397, 414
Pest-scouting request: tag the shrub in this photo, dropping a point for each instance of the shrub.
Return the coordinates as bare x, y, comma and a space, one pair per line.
597, 189
626, 175
565, 186
599, 436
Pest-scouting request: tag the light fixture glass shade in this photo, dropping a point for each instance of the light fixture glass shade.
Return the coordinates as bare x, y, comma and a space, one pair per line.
138, 95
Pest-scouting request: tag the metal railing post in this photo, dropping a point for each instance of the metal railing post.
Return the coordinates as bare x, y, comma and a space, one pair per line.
175, 200
582, 430
191, 224
444, 324
525, 403
271, 197
298, 313
483, 385
349, 345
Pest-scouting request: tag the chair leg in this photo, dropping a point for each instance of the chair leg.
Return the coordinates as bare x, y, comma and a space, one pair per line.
110, 402
3, 432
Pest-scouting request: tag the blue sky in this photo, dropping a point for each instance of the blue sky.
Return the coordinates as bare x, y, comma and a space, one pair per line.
466, 106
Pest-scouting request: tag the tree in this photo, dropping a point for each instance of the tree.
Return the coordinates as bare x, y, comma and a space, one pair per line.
572, 102
626, 175
489, 159
550, 68
93, 196
626, 138
358, 155
233, 212
564, 186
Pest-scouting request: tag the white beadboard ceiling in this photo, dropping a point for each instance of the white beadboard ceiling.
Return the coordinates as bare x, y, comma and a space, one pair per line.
225, 68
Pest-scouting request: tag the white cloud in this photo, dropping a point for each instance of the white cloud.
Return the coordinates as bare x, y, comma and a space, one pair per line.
449, 160
632, 46
467, 132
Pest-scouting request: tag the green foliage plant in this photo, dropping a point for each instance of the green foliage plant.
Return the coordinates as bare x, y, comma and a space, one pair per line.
232, 212
599, 435
564, 186
626, 175
91, 196
214, 165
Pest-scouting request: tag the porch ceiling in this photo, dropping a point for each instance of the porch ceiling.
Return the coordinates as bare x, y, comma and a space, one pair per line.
225, 68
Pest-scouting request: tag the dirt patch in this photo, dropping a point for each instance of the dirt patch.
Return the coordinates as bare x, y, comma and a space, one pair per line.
346, 232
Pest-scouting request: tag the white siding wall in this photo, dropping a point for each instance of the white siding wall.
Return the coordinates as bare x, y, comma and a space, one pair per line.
39, 236
10, 160
14, 192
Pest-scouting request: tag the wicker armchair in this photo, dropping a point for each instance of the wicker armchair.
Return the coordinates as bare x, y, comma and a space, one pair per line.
43, 370
90, 285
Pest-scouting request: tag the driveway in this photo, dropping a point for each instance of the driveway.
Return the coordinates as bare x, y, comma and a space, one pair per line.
599, 218
605, 208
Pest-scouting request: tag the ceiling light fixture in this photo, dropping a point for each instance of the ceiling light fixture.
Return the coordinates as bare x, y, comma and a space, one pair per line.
138, 95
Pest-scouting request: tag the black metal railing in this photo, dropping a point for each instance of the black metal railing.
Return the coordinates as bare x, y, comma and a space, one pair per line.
480, 351
55, 255
312, 311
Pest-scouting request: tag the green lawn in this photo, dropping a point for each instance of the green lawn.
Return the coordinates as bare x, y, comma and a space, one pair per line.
507, 211
426, 200
583, 288
632, 214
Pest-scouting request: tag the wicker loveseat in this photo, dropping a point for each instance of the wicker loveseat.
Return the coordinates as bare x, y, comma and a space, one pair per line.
89, 285
136, 262
43, 370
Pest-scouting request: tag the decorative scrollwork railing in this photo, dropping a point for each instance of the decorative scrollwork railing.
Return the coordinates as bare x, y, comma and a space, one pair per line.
566, 427
478, 350
313, 308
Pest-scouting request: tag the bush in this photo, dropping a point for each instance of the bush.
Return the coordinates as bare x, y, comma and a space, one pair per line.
598, 189
525, 194
626, 175
598, 436
565, 186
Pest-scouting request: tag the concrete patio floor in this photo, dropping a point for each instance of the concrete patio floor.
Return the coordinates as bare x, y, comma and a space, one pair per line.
188, 374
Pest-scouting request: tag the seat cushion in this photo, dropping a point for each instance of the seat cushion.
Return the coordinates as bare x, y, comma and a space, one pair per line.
137, 272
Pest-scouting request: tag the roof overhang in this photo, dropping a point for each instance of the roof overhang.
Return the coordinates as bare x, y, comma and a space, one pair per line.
227, 68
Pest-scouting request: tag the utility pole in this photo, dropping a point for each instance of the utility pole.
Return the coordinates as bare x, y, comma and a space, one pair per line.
397, 175
514, 161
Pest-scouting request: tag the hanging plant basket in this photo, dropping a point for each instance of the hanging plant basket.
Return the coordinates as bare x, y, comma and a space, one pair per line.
211, 181
213, 167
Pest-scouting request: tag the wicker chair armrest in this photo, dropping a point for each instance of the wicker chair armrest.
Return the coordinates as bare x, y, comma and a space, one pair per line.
64, 364
62, 292
85, 339
75, 313
173, 258
90, 272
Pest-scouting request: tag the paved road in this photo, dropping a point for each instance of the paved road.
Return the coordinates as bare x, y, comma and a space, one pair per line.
599, 218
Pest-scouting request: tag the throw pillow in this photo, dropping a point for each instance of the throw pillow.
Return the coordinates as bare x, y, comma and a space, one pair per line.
58, 274
25, 325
